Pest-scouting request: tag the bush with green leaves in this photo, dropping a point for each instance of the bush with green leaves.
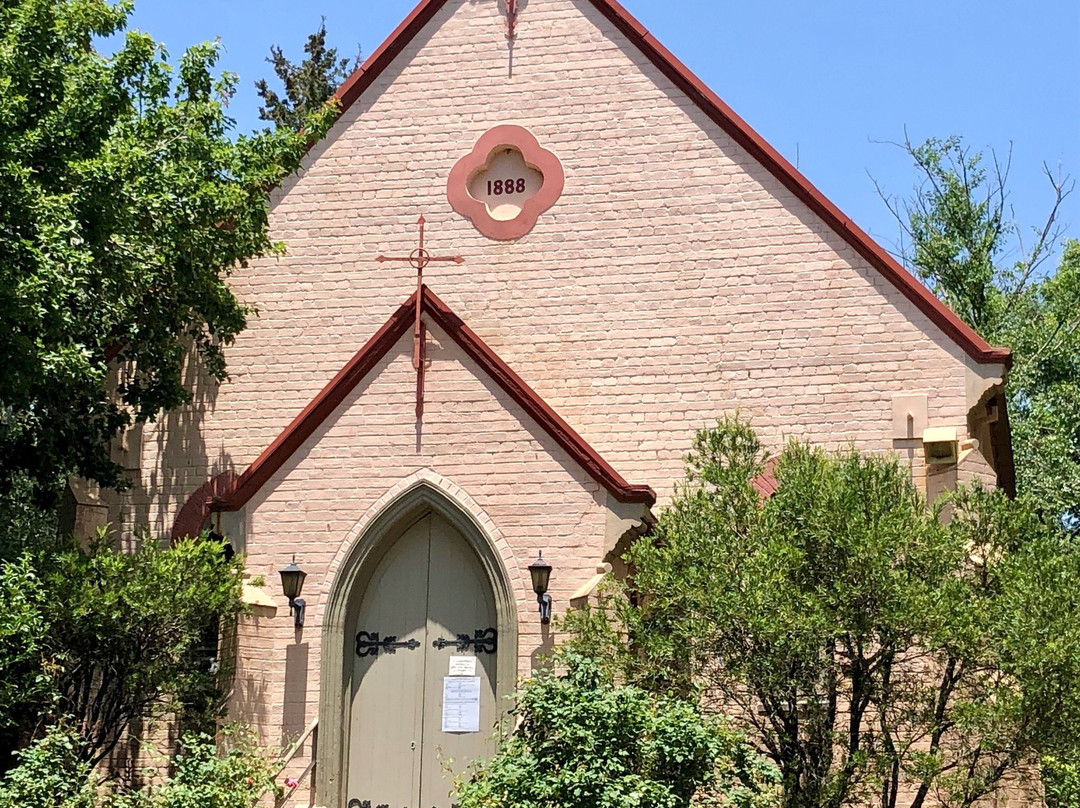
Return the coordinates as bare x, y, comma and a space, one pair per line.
872, 650
231, 772
50, 773
584, 741
1061, 779
109, 638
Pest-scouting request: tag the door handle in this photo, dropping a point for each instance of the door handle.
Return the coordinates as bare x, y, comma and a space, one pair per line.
483, 641
369, 644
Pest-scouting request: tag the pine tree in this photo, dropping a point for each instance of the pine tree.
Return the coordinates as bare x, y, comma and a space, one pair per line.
308, 85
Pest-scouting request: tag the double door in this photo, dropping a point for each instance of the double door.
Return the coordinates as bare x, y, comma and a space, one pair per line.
423, 683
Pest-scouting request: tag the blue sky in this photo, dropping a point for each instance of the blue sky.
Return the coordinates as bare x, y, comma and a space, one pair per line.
826, 83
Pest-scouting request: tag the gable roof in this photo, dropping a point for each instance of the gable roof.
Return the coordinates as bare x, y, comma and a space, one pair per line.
721, 114
243, 488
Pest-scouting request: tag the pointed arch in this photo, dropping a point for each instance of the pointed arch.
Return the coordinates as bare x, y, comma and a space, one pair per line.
367, 543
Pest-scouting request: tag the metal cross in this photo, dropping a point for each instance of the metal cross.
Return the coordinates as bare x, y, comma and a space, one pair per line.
420, 258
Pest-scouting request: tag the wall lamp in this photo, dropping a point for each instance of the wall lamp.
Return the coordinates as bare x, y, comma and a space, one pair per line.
292, 582
540, 571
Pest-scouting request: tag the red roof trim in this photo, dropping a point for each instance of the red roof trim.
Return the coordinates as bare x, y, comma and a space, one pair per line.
364, 75
191, 518
321, 407
955, 328
974, 345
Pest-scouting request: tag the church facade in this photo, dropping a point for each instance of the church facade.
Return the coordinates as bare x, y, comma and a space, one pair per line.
610, 260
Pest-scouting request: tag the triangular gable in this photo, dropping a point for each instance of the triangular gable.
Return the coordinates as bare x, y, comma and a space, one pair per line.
720, 113
323, 405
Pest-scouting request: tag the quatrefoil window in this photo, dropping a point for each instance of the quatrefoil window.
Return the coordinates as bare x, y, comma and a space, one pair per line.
505, 183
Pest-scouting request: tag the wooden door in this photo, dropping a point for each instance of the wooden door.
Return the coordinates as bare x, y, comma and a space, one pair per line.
429, 603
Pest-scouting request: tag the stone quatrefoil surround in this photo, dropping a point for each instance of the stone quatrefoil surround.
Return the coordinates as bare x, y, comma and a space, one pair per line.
505, 183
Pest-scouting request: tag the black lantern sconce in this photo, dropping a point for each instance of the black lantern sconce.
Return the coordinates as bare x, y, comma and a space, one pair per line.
292, 582
540, 571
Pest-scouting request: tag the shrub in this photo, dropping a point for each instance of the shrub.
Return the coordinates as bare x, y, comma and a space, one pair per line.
50, 774
110, 638
585, 742
232, 774
873, 651
1061, 780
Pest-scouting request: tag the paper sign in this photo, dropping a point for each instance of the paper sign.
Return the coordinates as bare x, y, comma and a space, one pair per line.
463, 666
461, 704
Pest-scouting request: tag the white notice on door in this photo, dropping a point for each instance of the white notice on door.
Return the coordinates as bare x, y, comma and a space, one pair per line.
461, 704
462, 666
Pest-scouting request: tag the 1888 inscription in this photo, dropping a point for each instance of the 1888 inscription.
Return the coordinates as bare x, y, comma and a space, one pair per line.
510, 186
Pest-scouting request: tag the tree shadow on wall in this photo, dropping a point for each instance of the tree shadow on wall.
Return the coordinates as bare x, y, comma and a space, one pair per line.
183, 460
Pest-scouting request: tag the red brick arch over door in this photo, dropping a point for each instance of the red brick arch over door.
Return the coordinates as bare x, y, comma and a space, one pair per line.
192, 517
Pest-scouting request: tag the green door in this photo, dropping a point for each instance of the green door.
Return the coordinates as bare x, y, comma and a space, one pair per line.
427, 612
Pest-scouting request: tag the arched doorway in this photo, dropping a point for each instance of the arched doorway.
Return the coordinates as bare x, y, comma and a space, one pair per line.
421, 624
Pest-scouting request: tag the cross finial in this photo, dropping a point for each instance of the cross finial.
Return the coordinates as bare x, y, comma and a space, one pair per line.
418, 259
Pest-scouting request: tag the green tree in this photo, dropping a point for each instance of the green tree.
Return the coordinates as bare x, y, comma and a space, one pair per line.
960, 240
101, 638
125, 201
308, 85
875, 654
585, 741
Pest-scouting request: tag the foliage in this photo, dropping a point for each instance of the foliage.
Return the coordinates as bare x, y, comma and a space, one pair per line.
1044, 389
113, 637
125, 201
51, 774
24, 681
308, 85
874, 653
206, 776
585, 742
1061, 780
961, 242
